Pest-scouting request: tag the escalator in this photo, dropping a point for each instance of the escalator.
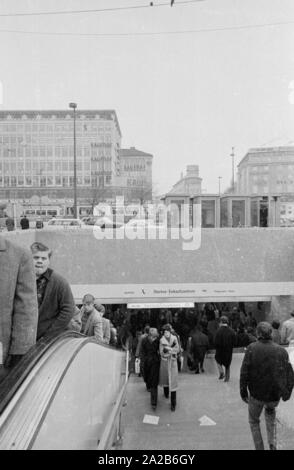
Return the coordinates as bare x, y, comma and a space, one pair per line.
66, 393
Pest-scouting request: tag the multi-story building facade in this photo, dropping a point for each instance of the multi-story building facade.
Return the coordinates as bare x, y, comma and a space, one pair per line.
37, 159
268, 171
136, 173
37, 152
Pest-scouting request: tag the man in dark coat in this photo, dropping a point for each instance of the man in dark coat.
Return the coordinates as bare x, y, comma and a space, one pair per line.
242, 338
266, 377
18, 300
150, 351
199, 345
10, 224
55, 299
24, 223
225, 340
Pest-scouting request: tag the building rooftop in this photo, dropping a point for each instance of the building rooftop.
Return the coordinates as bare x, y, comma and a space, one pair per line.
108, 114
133, 152
257, 151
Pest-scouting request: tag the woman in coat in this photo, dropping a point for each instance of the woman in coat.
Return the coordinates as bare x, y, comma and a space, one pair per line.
150, 352
168, 375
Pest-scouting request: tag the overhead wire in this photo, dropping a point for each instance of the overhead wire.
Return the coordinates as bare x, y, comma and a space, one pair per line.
98, 10
154, 33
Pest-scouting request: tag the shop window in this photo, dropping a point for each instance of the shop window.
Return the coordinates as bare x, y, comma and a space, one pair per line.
254, 214
238, 213
208, 214
224, 216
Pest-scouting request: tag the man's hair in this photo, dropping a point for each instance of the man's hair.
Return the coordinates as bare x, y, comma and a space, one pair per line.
292, 313
38, 246
167, 327
276, 324
88, 298
224, 320
264, 330
153, 332
100, 308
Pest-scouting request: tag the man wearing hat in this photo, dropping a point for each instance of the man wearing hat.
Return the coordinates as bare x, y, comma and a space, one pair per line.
224, 341
287, 331
266, 377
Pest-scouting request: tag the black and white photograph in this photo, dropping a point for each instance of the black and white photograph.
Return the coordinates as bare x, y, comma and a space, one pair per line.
146, 228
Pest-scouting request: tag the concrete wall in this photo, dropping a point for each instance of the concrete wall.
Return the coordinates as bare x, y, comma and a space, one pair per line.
225, 255
239, 259
22, 237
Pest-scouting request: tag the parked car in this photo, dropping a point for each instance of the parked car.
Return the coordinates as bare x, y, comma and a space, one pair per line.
143, 226
104, 222
60, 224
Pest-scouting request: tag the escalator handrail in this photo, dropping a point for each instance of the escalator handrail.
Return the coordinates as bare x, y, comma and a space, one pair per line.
13, 380
115, 413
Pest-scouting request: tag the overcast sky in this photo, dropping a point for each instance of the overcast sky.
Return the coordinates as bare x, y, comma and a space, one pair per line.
187, 98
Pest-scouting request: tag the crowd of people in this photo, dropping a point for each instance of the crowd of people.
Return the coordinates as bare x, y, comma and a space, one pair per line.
24, 223
37, 303
159, 365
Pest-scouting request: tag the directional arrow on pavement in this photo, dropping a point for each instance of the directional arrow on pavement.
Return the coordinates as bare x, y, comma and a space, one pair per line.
206, 421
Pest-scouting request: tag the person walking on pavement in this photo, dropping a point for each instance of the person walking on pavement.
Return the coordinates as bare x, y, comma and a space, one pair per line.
24, 223
266, 376
105, 322
287, 330
150, 351
168, 374
275, 333
199, 345
139, 353
225, 340
10, 224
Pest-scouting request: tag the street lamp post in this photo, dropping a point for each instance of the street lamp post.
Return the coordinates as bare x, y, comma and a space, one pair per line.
219, 185
233, 170
74, 106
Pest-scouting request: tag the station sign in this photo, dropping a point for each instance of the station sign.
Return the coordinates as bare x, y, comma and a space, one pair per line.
162, 305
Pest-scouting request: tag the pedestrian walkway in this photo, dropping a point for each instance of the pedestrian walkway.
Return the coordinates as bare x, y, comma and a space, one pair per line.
200, 396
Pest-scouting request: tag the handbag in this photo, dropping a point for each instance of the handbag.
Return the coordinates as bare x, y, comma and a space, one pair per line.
137, 366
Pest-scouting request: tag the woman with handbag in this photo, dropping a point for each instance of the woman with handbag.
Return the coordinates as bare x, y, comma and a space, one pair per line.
168, 375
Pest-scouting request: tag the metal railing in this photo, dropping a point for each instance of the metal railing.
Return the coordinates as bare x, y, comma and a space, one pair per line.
112, 430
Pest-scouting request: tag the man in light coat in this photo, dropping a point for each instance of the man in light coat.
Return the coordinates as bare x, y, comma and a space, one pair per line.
91, 319
105, 323
18, 300
287, 331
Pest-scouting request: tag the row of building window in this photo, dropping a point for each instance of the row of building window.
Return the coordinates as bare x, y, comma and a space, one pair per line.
134, 168
50, 151
50, 128
44, 181
39, 166
136, 182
